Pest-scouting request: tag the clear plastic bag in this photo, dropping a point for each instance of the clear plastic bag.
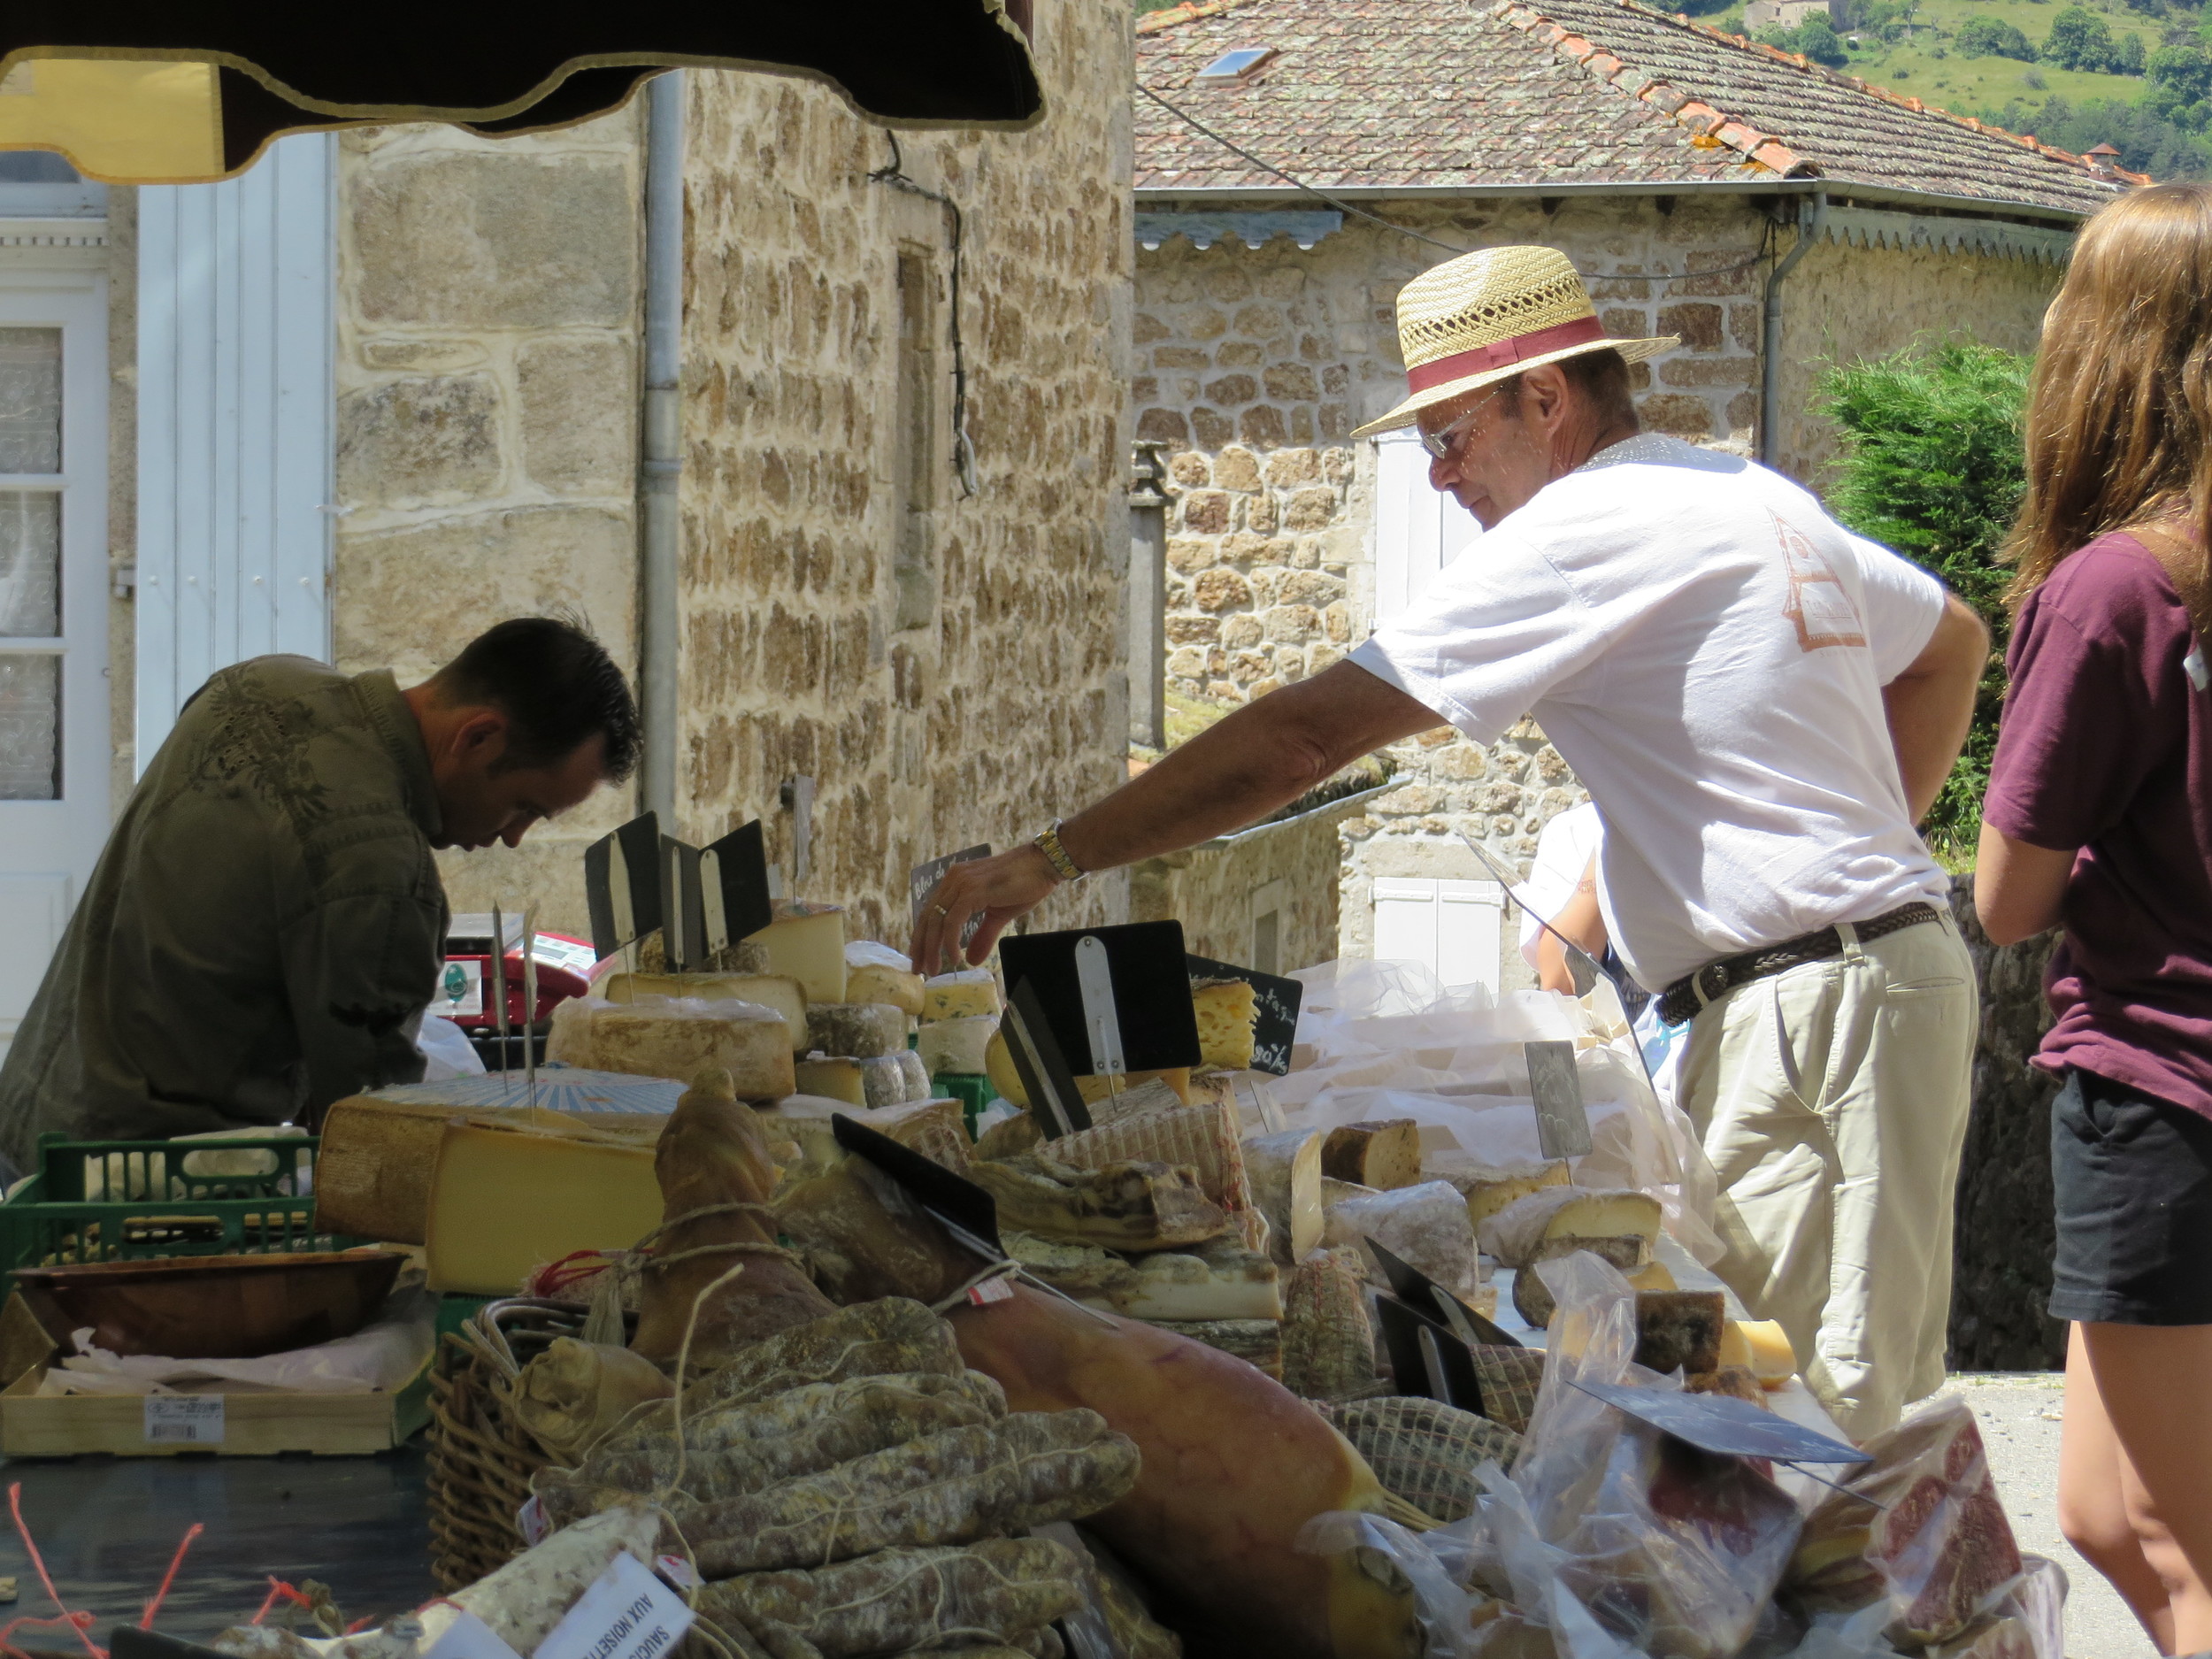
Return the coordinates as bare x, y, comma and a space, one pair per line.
1938, 1552
1393, 1554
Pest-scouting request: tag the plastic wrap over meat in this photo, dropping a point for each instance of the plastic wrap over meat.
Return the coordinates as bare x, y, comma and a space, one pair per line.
1938, 1550
1571, 1433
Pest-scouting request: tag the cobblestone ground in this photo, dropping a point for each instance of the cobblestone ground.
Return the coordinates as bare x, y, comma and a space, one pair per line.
2019, 1415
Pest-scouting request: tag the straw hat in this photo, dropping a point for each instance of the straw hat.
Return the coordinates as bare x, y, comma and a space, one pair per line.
1488, 315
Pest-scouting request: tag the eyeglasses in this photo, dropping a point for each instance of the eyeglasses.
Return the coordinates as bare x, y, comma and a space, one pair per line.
1441, 444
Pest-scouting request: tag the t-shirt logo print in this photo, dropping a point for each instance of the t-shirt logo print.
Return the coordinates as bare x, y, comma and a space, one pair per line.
1819, 603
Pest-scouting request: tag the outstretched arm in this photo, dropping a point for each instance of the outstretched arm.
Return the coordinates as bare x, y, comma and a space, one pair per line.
1264, 756
1931, 704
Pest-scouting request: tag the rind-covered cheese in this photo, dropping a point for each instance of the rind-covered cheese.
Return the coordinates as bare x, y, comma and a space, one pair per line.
503, 1201
1513, 1234
1136, 1207
768, 990
937, 1129
1383, 1155
1424, 1226
807, 942
679, 1040
1490, 1189
1285, 1172
1680, 1330
954, 1047
961, 994
914, 1075
1533, 1298
902, 988
1219, 1279
856, 1030
1228, 1013
1202, 1139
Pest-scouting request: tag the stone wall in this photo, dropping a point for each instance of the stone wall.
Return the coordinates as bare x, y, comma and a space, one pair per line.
1843, 303
1220, 889
946, 666
1254, 365
2006, 1229
487, 417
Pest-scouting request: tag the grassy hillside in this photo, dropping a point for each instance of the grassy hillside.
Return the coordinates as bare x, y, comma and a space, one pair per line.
1925, 63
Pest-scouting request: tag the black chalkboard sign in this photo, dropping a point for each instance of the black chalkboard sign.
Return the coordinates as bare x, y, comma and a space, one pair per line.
625, 900
734, 900
1151, 991
1278, 1002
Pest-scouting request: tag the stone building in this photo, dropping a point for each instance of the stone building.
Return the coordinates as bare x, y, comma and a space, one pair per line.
387, 388
1785, 14
1771, 213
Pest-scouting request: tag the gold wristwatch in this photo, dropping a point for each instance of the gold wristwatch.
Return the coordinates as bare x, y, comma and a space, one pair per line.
1056, 855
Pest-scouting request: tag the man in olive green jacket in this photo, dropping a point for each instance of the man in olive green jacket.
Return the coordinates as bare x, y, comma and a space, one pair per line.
266, 925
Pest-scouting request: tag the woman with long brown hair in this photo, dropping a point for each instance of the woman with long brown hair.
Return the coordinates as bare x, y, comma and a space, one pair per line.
2099, 818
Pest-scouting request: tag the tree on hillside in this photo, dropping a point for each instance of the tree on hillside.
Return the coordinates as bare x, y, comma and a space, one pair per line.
2080, 39
1993, 37
2148, 141
2131, 59
1932, 466
2181, 86
1815, 37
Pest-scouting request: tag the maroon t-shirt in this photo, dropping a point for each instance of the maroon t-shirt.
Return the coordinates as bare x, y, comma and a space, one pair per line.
2106, 746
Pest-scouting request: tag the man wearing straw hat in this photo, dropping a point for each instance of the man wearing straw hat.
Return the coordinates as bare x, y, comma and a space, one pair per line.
1761, 704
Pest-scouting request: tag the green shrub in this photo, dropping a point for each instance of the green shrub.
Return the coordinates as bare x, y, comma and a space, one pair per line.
1815, 37
1932, 466
1993, 37
2080, 39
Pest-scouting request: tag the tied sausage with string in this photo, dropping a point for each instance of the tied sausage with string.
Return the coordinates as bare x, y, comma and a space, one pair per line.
950, 1487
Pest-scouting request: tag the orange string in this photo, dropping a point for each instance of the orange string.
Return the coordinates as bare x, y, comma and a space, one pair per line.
79, 1620
15, 1510
278, 1591
146, 1619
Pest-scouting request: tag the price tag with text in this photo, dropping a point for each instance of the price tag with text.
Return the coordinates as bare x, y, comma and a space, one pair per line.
184, 1419
627, 1614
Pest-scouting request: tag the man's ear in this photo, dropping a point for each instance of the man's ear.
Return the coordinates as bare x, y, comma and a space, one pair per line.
1544, 395
479, 735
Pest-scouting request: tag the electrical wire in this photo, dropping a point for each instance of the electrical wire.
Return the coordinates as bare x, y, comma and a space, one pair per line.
1342, 206
963, 451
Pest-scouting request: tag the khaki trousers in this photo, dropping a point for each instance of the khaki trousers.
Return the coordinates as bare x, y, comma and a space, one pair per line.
1832, 1100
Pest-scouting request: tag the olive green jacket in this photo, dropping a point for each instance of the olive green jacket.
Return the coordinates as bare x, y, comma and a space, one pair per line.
263, 928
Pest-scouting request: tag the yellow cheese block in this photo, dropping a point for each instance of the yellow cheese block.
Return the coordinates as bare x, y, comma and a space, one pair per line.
872, 982
1228, 1012
998, 1065
1490, 1189
680, 1040
807, 942
1654, 1276
503, 1201
959, 995
1761, 1347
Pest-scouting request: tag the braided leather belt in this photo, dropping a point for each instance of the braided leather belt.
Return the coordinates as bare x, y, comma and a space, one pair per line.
1681, 1001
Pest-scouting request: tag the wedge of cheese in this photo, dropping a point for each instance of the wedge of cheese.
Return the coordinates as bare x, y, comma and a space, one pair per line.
767, 990
1382, 1155
503, 1200
870, 1081
998, 1067
1285, 1172
956, 1048
1489, 1188
1228, 1013
1201, 1138
1513, 1234
1219, 1279
937, 1129
807, 943
1761, 1347
960, 995
857, 1030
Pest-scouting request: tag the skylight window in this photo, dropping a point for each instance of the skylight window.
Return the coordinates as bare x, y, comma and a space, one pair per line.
1236, 66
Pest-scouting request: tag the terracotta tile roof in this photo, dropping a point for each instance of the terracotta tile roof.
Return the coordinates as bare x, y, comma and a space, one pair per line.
1382, 93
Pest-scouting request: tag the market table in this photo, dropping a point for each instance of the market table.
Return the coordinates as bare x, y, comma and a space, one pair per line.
108, 1527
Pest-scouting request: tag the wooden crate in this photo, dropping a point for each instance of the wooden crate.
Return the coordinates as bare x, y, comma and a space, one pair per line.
254, 1425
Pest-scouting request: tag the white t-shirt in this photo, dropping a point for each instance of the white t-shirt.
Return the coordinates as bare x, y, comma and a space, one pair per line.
1707, 649
1562, 852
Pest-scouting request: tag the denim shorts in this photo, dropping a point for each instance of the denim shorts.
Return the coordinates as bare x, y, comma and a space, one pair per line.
2133, 1178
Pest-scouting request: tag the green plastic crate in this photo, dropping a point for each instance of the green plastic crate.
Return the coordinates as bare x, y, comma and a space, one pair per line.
973, 1092
110, 1201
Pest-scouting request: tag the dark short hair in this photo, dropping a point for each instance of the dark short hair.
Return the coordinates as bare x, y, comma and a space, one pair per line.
558, 688
1600, 377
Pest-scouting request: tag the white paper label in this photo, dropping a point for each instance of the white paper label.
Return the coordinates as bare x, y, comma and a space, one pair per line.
628, 1614
989, 1291
468, 1637
194, 1419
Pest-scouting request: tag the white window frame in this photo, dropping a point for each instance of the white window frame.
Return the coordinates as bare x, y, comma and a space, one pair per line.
1418, 531
1456, 929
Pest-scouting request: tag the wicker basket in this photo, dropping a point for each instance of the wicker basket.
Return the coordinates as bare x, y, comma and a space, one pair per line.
481, 1459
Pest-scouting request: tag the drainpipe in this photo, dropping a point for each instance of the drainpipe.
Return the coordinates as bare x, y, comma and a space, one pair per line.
1147, 598
1811, 217
661, 447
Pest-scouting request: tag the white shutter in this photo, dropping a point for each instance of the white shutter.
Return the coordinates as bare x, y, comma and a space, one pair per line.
1418, 532
1451, 927
236, 423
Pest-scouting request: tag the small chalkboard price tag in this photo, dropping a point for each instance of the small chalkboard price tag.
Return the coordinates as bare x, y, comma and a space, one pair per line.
683, 925
734, 901
923, 879
1563, 1125
622, 884
1279, 1000
1151, 992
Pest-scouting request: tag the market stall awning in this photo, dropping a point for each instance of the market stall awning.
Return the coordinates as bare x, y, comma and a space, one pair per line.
144, 93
